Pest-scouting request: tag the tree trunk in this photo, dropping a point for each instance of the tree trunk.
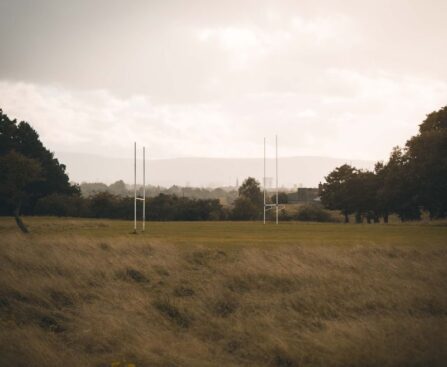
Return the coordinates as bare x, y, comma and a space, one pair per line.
385, 218
358, 217
346, 217
19, 221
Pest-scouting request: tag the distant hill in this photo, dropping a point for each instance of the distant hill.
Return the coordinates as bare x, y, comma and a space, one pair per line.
202, 172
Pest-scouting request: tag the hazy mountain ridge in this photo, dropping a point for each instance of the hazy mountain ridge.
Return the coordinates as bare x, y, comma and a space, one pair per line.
213, 172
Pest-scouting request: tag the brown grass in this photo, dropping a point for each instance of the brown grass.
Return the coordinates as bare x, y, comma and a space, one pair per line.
76, 300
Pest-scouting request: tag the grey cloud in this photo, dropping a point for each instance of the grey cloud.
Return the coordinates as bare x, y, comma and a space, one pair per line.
152, 47
201, 78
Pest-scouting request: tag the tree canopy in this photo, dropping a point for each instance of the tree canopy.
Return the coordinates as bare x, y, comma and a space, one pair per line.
413, 179
30, 165
248, 205
336, 191
427, 162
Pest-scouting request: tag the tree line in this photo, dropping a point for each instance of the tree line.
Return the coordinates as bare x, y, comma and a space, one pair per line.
225, 195
28, 171
34, 182
162, 207
413, 180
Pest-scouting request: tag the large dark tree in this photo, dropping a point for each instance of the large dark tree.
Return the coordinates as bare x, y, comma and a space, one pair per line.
398, 191
427, 157
336, 192
362, 193
17, 174
24, 140
382, 205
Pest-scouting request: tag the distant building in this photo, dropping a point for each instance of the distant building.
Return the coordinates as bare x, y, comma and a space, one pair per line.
307, 194
304, 195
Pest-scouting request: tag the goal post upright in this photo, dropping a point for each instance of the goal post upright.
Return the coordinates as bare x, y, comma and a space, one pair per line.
275, 204
276, 165
144, 187
263, 185
136, 197
135, 187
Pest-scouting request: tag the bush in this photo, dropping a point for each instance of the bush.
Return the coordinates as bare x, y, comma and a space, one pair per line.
61, 206
106, 205
245, 209
313, 213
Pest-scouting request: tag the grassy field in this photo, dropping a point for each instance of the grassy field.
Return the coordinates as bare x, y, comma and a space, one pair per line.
78, 292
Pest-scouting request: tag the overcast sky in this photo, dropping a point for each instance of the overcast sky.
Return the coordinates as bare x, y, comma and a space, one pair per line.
346, 79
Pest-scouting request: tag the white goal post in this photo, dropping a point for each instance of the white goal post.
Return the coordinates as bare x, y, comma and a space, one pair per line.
136, 197
264, 179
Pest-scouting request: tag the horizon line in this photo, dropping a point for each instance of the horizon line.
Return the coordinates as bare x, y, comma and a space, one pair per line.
221, 158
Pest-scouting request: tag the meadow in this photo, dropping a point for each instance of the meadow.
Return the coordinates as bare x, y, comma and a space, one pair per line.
80, 292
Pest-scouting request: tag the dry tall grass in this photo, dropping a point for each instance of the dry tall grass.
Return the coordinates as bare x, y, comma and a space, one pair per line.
70, 300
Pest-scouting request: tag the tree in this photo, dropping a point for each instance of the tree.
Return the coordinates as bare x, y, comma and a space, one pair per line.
248, 205
250, 189
382, 205
245, 209
118, 188
435, 121
363, 192
17, 174
414, 178
313, 213
92, 188
427, 163
61, 205
24, 140
399, 188
336, 192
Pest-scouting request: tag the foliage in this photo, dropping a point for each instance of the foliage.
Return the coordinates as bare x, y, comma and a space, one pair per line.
398, 193
93, 188
245, 209
225, 195
105, 205
60, 205
251, 190
313, 213
118, 188
172, 207
248, 206
17, 174
427, 156
283, 198
336, 192
24, 140
414, 178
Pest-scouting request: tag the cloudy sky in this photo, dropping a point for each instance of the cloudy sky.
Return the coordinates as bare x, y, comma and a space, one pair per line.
346, 79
